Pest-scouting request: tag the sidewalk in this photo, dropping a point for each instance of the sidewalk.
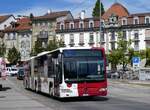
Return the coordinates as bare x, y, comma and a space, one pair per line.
136, 82
11, 98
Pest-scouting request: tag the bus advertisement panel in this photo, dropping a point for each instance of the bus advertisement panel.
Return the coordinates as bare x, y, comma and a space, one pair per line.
69, 72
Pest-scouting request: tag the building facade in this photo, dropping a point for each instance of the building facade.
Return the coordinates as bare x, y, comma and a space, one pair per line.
85, 31
18, 35
43, 27
5, 21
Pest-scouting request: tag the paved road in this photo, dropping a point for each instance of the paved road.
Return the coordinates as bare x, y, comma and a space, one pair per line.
121, 97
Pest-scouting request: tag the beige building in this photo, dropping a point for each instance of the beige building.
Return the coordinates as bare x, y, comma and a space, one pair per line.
43, 27
18, 35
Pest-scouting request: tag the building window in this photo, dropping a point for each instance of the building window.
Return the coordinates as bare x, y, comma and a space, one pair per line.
136, 35
62, 26
91, 24
102, 39
62, 39
71, 26
81, 25
91, 38
136, 20
147, 33
136, 45
81, 39
43, 34
124, 35
113, 36
124, 21
147, 21
71, 40
113, 46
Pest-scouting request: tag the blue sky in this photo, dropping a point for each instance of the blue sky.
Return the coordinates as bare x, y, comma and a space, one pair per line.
40, 7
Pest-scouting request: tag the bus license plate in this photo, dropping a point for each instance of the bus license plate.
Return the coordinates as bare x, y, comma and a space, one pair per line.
85, 94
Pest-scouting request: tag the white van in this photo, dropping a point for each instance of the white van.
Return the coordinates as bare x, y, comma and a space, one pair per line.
11, 71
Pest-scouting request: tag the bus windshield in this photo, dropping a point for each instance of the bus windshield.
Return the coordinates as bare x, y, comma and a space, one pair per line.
84, 68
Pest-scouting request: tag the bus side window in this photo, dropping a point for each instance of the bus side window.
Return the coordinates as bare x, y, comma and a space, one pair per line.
50, 66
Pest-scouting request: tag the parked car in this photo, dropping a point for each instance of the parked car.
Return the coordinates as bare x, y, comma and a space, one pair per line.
11, 71
20, 74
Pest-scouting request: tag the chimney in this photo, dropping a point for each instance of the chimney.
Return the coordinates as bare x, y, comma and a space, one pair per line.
49, 11
82, 14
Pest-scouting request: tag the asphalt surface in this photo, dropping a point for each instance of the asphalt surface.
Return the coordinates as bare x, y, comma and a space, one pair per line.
120, 97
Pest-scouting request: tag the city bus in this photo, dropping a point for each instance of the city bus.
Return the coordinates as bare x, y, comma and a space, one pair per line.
68, 72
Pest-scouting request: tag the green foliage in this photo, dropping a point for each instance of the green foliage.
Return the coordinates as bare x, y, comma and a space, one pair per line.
13, 55
148, 57
2, 50
54, 44
113, 58
37, 48
96, 10
119, 56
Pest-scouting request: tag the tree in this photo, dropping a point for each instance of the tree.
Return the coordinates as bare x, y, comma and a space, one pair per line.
37, 48
2, 50
54, 44
113, 59
13, 55
120, 55
148, 57
122, 46
96, 10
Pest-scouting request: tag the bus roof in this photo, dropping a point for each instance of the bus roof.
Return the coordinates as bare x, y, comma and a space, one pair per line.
61, 50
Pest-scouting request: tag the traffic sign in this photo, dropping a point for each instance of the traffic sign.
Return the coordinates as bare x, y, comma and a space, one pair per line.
136, 60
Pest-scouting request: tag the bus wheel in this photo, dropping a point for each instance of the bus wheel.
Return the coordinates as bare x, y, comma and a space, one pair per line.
26, 85
36, 89
50, 88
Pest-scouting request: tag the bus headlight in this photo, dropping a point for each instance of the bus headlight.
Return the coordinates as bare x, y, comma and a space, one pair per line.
102, 89
66, 90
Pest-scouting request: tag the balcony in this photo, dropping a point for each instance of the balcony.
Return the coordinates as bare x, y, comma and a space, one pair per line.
71, 44
81, 43
91, 42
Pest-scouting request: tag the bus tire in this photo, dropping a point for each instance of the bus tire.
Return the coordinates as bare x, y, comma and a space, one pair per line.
26, 85
36, 89
50, 88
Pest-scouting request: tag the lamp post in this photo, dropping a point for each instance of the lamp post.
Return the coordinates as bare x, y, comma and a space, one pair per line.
100, 21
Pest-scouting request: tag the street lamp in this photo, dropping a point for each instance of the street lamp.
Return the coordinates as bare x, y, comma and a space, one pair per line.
100, 21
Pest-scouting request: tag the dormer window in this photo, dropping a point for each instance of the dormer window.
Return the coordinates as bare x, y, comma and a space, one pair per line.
124, 21
81, 25
71, 25
61, 26
147, 20
136, 20
91, 24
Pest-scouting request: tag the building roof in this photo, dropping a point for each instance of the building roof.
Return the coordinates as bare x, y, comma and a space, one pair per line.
21, 25
52, 15
139, 14
116, 9
4, 18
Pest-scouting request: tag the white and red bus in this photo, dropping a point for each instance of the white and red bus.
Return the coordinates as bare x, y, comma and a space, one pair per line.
68, 72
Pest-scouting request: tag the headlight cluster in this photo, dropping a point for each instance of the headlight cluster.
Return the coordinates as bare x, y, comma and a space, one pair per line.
102, 89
